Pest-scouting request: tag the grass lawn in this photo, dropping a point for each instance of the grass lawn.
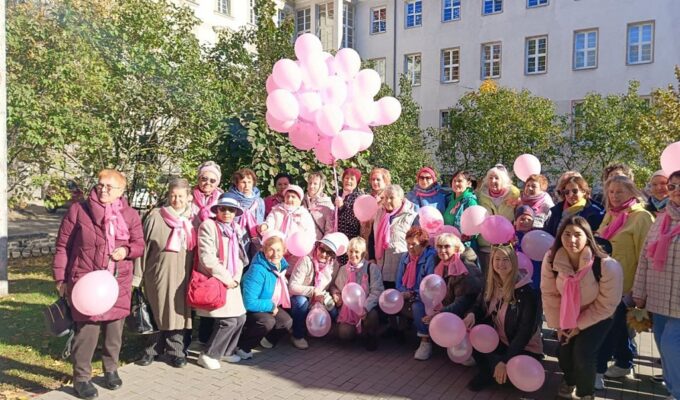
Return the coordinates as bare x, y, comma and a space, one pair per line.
30, 358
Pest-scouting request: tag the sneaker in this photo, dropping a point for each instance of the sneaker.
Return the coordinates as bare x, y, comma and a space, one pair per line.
617, 372
470, 362
245, 355
565, 391
266, 343
298, 343
599, 381
424, 351
208, 362
233, 359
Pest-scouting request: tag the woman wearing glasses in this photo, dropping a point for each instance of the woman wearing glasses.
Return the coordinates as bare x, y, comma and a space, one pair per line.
576, 194
206, 193
101, 233
428, 192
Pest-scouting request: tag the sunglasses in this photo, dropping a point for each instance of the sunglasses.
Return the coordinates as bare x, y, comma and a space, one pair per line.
326, 251
672, 187
206, 179
425, 178
566, 192
226, 208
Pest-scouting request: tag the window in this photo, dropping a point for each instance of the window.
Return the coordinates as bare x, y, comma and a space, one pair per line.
253, 17
450, 65
325, 14
223, 7
347, 25
444, 116
491, 60
640, 43
303, 21
412, 68
414, 13
492, 6
536, 3
450, 10
380, 66
585, 49
537, 55
379, 20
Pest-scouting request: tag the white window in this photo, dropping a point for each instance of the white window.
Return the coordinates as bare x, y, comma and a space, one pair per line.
348, 25
379, 20
224, 7
640, 43
450, 65
412, 68
253, 17
444, 116
303, 21
450, 10
414, 13
536, 3
491, 60
492, 7
325, 14
380, 66
585, 49
537, 55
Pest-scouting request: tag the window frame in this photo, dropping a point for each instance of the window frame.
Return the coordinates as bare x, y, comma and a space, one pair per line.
453, 9
443, 66
640, 43
348, 39
420, 72
446, 111
493, 4
383, 76
500, 61
537, 55
547, 3
227, 9
406, 14
306, 16
574, 50
372, 21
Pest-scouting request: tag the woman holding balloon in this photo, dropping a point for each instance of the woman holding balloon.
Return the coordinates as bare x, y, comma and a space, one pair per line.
97, 242
378, 179
319, 205
463, 185
347, 222
581, 287
428, 191
513, 309
575, 193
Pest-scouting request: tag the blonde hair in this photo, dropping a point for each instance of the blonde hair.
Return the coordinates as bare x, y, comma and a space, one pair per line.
271, 241
495, 287
112, 173
444, 238
322, 181
627, 183
387, 177
357, 243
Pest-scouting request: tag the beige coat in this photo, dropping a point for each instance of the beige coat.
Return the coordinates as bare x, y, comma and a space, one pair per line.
210, 265
322, 210
164, 275
400, 224
301, 282
598, 299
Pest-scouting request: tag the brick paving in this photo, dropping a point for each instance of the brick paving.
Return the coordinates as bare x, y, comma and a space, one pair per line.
332, 370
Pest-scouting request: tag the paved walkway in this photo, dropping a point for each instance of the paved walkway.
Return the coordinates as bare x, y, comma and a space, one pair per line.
333, 370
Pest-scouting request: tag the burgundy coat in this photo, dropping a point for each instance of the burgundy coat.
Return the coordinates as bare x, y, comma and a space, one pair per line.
81, 248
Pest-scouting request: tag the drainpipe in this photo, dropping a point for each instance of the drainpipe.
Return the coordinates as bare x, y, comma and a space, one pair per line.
394, 51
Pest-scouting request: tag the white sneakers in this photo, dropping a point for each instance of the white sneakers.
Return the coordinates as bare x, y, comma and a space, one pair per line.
232, 359
243, 354
617, 372
208, 362
266, 343
424, 351
565, 391
599, 381
299, 343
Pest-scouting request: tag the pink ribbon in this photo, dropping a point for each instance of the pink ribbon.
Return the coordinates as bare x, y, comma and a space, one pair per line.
621, 217
570, 303
204, 202
281, 296
182, 232
657, 250
409, 278
383, 233
454, 267
346, 315
116, 228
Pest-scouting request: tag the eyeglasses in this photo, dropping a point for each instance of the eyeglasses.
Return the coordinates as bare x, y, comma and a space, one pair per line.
672, 187
444, 246
101, 186
206, 179
566, 192
226, 208
326, 251
425, 178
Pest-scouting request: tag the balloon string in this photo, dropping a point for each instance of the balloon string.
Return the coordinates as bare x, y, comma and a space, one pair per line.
337, 194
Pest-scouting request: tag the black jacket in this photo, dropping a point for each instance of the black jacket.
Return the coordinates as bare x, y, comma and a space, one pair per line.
592, 212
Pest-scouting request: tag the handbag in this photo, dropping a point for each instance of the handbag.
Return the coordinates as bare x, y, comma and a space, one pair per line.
140, 321
206, 292
58, 319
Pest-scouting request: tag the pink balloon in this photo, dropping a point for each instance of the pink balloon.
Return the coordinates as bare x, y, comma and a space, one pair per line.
536, 243
310, 103
359, 112
303, 136
318, 321
322, 151
334, 91
95, 293
432, 291
670, 158
430, 219
391, 301
354, 297
270, 85
366, 140
448, 229
496, 229
282, 105
525, 165
388, 110
366, 83
365, 207
525, 263
472, 219
526, 373
329, 120
287, 75
307, 45
447, 329
484, 338
330, 62
314, 72
300, 243
460, 352
347, 63
278, 126
346, 145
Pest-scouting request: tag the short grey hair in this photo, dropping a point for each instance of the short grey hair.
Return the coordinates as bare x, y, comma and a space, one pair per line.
395, 190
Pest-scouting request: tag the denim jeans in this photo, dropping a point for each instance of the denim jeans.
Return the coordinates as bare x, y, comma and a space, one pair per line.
415, 311
299, 308
618, 344
667, 335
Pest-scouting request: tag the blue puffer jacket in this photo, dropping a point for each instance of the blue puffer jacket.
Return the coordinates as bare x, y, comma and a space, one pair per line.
435, 196
425, 266
258, 284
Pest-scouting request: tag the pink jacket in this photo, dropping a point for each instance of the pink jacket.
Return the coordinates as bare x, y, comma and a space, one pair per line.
81, 248
598, 299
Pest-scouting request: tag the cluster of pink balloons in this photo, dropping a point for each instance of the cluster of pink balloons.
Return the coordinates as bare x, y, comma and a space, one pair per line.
354, 297
536, 244
525, 166
95, 293
318, 321
325, 103
391, 301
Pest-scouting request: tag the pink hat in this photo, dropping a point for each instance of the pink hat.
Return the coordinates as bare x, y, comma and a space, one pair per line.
295, 188
429, 171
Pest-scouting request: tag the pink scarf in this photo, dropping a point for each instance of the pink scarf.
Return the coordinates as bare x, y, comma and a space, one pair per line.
500, 193
409, 278
346, 315
248, 221
619, 217
182, 232
454, 267
234, 245
116, 228
281, 296
535, 202
318, 270
287, 219
204, 203
383, 233
570, 303
657, 251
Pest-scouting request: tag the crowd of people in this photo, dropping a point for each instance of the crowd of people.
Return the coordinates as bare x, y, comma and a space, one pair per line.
607, 257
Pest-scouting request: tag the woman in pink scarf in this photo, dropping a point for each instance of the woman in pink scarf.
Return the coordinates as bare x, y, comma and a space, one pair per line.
535, 195
581, 287
366, 274
206, 192
163, 270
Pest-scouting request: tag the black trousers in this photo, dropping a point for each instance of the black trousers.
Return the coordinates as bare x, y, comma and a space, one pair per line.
486, 362
170, 342
259, 325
